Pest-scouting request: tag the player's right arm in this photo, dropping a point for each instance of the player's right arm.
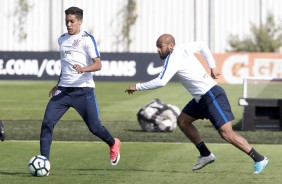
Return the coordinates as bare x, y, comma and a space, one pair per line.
169, 69
55, 88
131, 89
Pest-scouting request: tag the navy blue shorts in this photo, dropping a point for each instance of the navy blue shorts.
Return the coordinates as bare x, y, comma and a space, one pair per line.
213, 105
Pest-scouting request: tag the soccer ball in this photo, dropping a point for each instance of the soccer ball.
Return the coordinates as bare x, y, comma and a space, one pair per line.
167, 125
39, 166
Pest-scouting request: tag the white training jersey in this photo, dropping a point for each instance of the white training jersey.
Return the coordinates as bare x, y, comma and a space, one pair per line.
77, 49
182, 63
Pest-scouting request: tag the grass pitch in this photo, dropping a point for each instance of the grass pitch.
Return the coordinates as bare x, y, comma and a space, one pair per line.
22, 108
88, 162
26, 100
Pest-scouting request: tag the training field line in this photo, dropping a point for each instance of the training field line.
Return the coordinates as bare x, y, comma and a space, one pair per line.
130, 142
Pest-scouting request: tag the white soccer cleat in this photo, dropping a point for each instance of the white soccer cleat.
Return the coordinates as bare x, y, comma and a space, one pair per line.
259, 166
203, 161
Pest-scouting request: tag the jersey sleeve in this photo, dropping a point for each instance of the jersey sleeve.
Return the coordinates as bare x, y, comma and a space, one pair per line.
167, 73
91, 46
60, 39
202, 48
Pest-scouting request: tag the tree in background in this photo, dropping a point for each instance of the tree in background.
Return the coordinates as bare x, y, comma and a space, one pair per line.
128, 15
22, 8
265, 38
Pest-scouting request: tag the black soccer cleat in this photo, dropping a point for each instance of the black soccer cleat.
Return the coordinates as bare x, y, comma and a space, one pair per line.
2, 133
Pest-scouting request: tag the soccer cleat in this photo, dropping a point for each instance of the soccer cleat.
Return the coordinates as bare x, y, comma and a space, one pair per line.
259, 166
2, 133
115, 152
203, 161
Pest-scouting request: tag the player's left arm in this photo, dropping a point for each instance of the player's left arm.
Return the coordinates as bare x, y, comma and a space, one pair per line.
93, 52
206, 53
214, 73
203, 49
95, 66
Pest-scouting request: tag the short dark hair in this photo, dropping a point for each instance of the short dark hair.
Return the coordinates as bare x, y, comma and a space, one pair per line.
75, 11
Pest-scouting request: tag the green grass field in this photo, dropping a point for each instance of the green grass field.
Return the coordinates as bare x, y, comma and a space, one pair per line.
26, 100
150, 163
23, 104
146, 157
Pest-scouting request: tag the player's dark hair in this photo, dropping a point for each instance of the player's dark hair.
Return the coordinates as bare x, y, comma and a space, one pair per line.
75, 11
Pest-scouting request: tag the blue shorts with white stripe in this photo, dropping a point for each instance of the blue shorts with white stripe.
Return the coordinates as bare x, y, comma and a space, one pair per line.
213, 105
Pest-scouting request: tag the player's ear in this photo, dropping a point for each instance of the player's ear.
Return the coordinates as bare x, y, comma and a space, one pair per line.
170, 47
80, 21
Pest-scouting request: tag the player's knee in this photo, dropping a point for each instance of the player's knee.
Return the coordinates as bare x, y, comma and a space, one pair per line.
223, 135
48, 125
227, 135
183, 121
180, 121
226, 132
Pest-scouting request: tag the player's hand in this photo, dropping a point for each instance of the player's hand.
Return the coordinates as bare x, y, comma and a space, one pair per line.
131, 89
214, 73
53, 90
78, 68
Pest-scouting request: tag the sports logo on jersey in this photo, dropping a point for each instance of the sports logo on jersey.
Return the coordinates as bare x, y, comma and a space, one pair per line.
75, 43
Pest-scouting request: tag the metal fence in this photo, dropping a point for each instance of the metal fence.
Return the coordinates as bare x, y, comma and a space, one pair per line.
33, 25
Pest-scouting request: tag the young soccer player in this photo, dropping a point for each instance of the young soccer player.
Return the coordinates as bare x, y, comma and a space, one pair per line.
75, 88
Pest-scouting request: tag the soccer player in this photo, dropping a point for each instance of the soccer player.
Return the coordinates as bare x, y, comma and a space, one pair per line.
209, 100
2, 133
75, 88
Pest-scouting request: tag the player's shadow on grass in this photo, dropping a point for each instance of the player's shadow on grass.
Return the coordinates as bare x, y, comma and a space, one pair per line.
143, 131
132, 170
14, 173
131, 130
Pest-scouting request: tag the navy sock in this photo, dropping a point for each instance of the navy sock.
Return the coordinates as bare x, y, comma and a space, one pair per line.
204, 151
255, 155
